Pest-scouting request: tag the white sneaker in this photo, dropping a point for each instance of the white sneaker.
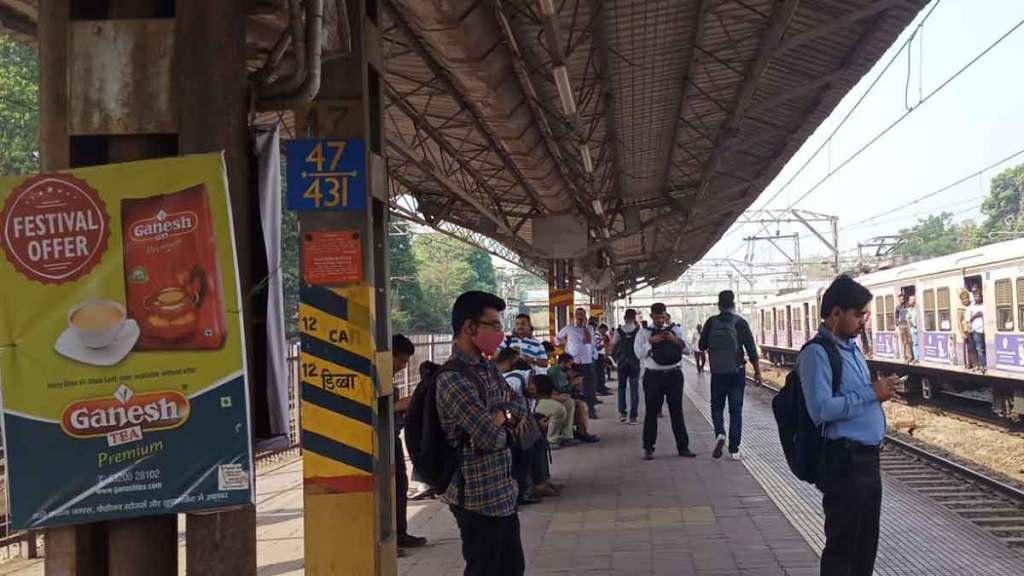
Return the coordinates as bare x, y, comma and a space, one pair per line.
735, 456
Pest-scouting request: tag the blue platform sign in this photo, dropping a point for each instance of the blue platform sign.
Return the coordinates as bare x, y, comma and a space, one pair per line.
327, 174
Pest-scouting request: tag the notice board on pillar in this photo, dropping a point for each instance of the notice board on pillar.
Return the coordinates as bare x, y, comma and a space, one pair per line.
332, 257
121, 343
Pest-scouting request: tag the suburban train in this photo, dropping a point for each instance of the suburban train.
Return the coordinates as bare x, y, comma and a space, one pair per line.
929, 344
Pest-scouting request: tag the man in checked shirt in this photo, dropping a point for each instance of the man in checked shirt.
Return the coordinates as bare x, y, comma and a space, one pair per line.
479, 415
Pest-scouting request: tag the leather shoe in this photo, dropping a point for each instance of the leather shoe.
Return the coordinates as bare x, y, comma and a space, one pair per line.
410, 541
687, 453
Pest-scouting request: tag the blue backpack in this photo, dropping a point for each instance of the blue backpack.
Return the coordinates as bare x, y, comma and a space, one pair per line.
802, 441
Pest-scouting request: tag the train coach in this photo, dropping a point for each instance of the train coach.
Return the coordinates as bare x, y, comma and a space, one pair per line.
930, 338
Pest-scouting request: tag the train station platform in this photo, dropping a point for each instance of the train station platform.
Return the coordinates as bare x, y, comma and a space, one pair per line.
622, 516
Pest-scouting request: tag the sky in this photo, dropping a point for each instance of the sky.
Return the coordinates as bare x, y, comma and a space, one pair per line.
974, 121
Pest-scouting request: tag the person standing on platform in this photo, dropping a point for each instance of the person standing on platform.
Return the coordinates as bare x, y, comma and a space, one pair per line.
402, 350
700, 358
660, 348
853, 425
724, 338
628, 366
478, 414
578, 339
601, 364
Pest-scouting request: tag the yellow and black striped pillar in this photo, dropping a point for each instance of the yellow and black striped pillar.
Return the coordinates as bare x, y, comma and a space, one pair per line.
347, 421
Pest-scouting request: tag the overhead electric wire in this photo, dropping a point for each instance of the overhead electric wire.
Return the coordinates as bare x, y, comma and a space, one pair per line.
953, 184
849, 113
903, 116
856, 105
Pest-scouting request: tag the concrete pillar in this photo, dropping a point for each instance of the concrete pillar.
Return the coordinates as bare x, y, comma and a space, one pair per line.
348, 433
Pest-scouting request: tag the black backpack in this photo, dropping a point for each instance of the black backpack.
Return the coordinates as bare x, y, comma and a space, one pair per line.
723, 343
802, 441
665, 353
623, 351
434, 459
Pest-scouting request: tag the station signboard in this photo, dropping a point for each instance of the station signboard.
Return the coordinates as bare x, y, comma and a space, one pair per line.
121, 343
327, 174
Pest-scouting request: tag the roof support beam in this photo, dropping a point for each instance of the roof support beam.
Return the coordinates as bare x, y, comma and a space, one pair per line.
696, 53
831, 26
396, 143
769, 41
416, 44
798, 91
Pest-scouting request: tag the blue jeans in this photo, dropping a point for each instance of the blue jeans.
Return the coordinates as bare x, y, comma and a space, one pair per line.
629, 376
979, 345
728, 387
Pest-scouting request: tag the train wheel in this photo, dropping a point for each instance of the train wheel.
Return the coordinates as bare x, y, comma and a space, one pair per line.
926, 389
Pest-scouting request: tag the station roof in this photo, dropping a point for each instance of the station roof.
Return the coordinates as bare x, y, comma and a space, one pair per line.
657, 121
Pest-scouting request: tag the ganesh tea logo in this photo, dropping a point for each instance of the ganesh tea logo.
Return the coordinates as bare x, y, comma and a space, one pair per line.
55, 228
163, 226
125, 416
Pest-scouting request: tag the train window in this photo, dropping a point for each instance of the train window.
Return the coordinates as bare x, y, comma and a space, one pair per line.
880, 313
1004, 305
929, 310
890, 312
814, 315
1020, 303
945, 320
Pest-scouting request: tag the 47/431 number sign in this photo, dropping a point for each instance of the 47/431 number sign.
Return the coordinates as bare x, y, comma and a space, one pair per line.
327, 174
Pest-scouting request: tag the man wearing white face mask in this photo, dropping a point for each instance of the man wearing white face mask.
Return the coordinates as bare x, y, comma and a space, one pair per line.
853, 426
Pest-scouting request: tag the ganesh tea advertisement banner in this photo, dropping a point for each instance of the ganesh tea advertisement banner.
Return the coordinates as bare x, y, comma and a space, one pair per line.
121, 343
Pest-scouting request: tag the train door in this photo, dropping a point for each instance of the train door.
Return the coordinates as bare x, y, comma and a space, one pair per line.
775, 327
908, 322
789, 326
807, 321
975, 319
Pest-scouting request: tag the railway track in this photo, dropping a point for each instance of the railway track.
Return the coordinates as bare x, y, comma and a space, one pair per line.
989, 503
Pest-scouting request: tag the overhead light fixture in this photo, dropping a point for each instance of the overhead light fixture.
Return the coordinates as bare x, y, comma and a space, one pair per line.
598, 207
605, 233
564, 89
588, 161
547, 7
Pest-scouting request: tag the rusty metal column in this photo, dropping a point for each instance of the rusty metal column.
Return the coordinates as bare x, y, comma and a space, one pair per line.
212, 97
348, 430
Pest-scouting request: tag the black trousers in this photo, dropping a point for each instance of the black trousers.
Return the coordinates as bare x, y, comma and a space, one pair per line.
490, 544
401, 488
851, 488
659, 386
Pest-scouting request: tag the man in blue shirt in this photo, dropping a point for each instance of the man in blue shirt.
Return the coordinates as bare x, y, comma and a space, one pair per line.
854, 426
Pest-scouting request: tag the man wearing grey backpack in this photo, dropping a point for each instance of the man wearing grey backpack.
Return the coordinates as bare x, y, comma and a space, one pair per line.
724, 338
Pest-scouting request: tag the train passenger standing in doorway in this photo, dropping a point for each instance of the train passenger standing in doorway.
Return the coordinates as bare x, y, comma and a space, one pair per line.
628, 366
660, 348
967, 351
903, 328
854, 426
976, 316
578, 339
725, 337
912, 325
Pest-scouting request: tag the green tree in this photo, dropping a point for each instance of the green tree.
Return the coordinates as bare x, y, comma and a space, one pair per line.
936, 235
19, 108
1003, 207
409, 310
447, 267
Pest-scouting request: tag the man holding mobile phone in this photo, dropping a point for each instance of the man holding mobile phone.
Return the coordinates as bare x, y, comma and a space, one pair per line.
849, 476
